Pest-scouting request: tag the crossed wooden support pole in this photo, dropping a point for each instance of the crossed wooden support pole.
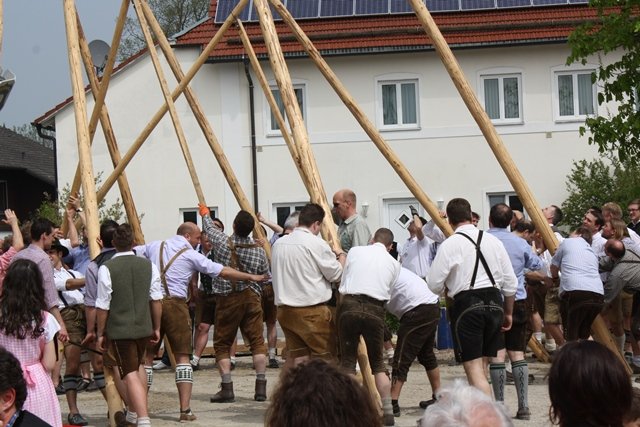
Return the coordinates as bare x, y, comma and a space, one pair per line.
294, 134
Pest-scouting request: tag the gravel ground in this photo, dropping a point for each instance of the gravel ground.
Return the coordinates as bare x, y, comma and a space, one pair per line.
163, 400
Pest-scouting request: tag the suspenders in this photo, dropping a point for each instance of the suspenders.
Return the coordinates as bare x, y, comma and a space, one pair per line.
165, 268
235, 261
479, 258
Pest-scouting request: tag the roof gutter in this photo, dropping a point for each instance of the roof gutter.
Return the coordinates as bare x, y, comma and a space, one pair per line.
41, 134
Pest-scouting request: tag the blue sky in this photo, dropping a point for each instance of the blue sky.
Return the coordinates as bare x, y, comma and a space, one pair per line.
34, 47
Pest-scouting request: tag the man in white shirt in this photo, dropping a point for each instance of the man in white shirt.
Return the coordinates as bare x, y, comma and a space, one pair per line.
68, 284
303, 266
417, 249
418, 309
369, 274
475, 269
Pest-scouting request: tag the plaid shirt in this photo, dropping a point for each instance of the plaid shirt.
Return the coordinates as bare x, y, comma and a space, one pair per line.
250, 260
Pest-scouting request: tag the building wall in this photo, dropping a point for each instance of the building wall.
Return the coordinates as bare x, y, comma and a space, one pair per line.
447, 155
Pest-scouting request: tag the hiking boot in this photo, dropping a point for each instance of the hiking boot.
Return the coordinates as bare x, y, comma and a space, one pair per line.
225, 395
76, 420
187, 415
523, 414
261, 391
273, 363
396, 409
424, 404
388, 420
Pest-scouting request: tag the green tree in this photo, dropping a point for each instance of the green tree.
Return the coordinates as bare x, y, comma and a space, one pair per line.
616, 29
54, 209
596, 182
173, 16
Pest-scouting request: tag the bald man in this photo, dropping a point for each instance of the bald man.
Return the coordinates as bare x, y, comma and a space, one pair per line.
177, 261
353, 230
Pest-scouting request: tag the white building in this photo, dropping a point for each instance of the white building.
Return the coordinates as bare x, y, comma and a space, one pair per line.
514, 58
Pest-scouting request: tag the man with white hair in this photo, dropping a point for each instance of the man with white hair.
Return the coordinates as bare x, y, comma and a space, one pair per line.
464, 406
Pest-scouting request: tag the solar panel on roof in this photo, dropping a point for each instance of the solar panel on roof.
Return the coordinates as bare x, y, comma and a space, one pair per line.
443, 5
400, 6
309, 9
337, 7
477, 4
303, 8
512, 3
368, 7
545, 2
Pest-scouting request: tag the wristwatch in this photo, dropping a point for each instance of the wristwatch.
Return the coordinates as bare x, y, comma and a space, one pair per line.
79, 210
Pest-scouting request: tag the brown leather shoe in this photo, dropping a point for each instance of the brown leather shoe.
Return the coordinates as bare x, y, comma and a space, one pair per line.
187, 415
225, 395
261, 391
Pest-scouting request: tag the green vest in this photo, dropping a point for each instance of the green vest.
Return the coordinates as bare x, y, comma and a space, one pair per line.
129, 312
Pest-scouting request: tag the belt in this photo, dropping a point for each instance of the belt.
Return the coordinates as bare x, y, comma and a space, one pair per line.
366, 299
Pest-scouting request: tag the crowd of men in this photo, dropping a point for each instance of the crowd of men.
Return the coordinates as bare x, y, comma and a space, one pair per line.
499, 287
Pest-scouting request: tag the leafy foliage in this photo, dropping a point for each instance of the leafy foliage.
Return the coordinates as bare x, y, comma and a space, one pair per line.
54, 209
597, 182
617, 29
173, 17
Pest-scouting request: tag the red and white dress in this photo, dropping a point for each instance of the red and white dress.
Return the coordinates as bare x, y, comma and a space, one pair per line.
41, 395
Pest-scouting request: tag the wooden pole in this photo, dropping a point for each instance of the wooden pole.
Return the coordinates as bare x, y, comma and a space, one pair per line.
182, 140
84, 150
128, 156
365, 123
264, 84
204, 124
100, 95
598, 329
294, 115
112, 145
301, 138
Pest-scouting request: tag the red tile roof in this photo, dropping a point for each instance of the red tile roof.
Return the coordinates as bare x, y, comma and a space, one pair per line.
380, 33
390, 33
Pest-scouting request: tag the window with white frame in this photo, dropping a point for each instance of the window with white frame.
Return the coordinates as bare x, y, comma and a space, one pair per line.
575, 95
299, 90
502, 95
192, 215
398, 106
283, 210
509, 198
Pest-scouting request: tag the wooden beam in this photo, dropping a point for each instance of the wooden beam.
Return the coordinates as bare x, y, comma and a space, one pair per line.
266, 89
128, 156
599, 330
112, 145
84, 151
301, 138
182, 140
205, 126
370, 129
99, 96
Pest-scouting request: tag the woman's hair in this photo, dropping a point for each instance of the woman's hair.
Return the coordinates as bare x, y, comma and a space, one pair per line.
317, 394
11, 377
22, 300
620, 229
588, 386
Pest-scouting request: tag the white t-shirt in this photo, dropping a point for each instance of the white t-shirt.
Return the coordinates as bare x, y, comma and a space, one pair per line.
408, 292
370, 271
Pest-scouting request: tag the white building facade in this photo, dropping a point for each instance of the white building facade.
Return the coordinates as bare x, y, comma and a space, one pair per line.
536, 102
